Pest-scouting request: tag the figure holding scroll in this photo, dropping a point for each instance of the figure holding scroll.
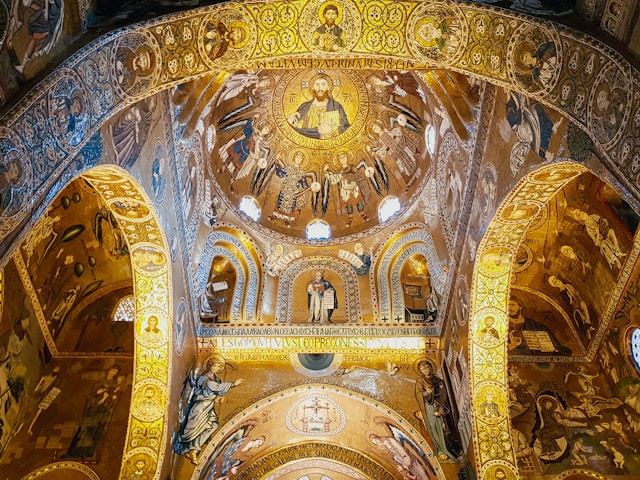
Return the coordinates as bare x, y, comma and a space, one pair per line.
322, 300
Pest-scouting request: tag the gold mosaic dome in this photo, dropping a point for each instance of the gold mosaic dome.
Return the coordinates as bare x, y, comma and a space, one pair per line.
290, 148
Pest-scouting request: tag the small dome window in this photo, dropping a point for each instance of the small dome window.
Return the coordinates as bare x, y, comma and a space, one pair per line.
250, 208
634, 346
318, 230
389, 207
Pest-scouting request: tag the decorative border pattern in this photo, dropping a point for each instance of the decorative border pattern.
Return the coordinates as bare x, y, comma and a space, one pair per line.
52, 467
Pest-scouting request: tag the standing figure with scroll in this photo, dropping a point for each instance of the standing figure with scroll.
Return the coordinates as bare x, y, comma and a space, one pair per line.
322, 299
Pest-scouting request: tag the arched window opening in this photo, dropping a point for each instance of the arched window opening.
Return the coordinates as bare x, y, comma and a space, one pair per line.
125, 309
218, 295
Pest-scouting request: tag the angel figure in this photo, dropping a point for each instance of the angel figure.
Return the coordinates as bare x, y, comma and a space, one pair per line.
201, 416
353, 191
42, 230
240, 81
241, 154
399, 146
298, 183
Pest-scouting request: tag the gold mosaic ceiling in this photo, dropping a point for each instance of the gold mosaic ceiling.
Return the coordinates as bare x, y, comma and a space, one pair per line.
329, 145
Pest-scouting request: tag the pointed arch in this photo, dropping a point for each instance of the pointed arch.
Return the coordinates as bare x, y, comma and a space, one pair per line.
150, 265
241, 251
286, 408
490, 292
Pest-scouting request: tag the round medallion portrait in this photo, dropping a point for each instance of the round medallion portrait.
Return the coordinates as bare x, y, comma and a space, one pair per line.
437, 32
135, 63
534, 58
322, 108
16, 172
69, 109
227, 37
330, 26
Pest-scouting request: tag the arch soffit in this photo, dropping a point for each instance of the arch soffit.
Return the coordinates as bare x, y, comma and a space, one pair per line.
149, 250
388, 261
287, 397
150, 265
239, 248
490, 286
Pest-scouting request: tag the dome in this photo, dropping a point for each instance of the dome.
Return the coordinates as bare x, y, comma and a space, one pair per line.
327, 145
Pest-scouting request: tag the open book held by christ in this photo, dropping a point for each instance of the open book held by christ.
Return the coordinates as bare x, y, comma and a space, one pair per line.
538, 340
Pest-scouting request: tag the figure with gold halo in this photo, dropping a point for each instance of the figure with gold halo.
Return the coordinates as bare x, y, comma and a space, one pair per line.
201, 416
134, 66
329, 36
441, 33
353, 189
322, 300
218, 38
297, 184
528, 336
321, 117
435, 412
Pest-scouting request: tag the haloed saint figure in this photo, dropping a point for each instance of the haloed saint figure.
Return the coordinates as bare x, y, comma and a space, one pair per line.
329, 36
436, 412
322, 300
